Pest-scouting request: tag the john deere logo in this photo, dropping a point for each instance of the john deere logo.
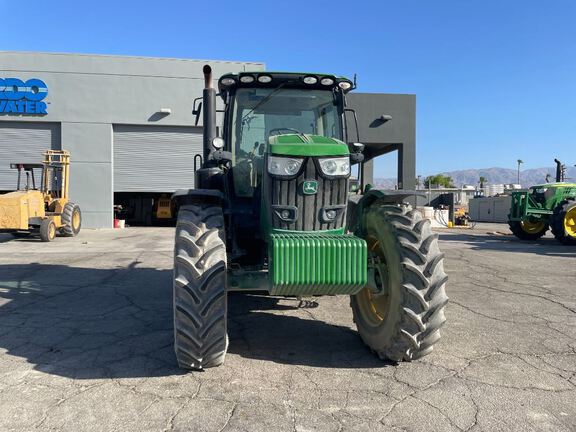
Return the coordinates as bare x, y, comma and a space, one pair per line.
310, 187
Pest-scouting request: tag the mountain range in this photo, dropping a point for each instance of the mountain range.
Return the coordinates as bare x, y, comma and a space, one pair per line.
460, 178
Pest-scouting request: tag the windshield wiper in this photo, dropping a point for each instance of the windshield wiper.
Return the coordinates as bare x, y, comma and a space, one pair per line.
265, 99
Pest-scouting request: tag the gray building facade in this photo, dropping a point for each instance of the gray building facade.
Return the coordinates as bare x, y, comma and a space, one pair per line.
129, 126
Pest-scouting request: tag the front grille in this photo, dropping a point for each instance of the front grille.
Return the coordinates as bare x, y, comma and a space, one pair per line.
289, 193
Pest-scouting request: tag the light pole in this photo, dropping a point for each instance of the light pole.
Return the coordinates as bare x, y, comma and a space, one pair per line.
520, 162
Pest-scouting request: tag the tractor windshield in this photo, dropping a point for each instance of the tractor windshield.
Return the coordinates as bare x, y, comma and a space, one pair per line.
262, 112
259, 113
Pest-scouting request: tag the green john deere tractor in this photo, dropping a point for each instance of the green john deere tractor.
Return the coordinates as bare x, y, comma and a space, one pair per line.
272, 211
551, 205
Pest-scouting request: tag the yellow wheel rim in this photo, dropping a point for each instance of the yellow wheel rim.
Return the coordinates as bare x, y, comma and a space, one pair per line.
532, 227
76, 220
570, 222
52, 230
375, 307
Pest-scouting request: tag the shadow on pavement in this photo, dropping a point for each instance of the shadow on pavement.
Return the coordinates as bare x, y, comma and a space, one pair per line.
88, 323
256, 332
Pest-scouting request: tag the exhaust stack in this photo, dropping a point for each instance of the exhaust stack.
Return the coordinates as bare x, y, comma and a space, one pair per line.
209, 113
559, 176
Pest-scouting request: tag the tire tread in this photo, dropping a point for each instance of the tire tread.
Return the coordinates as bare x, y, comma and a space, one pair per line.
200, 338
423, 294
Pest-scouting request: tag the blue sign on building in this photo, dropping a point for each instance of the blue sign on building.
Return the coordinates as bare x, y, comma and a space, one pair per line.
19, 97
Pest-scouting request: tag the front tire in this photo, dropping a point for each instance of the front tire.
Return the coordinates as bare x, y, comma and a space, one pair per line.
526, 230
403, 321
200, 303
47, 230
71, 220
563, 222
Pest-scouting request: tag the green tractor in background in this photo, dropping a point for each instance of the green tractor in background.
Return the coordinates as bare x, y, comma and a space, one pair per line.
272, 211
550, 205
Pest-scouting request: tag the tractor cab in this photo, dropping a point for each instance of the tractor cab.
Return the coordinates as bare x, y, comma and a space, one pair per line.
288, 165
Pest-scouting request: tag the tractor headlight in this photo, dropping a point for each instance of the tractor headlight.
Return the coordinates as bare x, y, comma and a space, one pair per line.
335, 166
282, 166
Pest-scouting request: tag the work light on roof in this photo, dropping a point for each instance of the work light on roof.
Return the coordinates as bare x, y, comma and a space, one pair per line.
246, 79
227, 81
327, 81
310, 80
344, 85
264, 79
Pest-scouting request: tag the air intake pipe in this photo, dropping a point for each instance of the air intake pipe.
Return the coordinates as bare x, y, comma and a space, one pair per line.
209, 113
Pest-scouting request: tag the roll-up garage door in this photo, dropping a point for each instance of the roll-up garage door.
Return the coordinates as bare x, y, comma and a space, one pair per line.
24, 142
155, 158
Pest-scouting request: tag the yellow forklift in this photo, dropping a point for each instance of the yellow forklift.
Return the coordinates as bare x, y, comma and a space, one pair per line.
43, 209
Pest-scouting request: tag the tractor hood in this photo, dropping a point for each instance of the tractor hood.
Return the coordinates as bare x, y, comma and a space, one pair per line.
17, 197
306, 145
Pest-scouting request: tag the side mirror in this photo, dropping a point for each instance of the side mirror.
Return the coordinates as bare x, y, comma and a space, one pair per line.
197, 109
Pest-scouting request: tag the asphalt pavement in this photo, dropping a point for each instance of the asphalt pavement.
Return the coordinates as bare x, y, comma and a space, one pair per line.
86, 345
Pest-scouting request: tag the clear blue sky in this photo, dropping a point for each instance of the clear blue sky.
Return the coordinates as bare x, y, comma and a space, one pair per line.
495, 80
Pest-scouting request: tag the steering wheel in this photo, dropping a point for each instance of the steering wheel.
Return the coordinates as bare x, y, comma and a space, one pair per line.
278, 131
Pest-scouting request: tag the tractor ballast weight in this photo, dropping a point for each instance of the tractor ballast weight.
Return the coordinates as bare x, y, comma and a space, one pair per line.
272, 211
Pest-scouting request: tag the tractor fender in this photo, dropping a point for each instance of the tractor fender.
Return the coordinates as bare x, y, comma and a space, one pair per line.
197, 196
357, 204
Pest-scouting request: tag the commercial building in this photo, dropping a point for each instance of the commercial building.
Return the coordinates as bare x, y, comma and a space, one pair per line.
129, 126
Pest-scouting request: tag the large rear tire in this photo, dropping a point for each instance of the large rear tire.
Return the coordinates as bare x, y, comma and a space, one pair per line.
71, 220
200, 303
403, 320
526, 230
563, 222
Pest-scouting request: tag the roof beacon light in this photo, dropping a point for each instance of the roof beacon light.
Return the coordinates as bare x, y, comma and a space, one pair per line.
310, 80
264, 79
246, 79
327, 81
